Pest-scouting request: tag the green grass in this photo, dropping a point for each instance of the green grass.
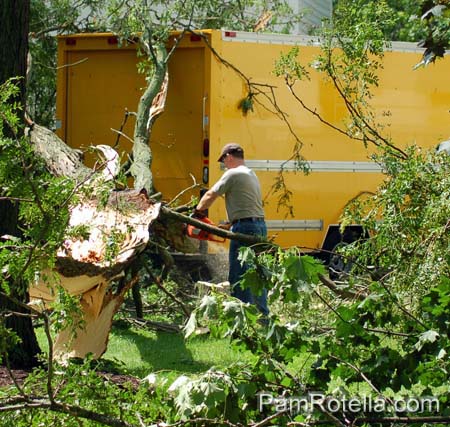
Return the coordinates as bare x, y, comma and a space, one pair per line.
139, 352
143, 352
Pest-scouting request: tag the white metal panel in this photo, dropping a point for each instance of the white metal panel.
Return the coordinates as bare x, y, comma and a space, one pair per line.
303, 40
269, 38
314, 12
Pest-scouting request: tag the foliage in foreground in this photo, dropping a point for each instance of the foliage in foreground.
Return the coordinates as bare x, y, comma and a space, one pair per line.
378, 344
331, 351
43, 201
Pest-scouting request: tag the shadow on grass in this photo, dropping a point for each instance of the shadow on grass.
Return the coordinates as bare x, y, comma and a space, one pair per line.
160, 352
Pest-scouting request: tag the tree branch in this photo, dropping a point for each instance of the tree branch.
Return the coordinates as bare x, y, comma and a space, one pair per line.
194, 186
315, 113
341, 292
364, 377
246, 239
161, 287
403, 420
77, 411
142, 155
59, 159
367, 128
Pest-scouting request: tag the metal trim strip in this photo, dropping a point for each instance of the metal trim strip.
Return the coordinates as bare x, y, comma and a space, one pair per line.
295, 224
315, 166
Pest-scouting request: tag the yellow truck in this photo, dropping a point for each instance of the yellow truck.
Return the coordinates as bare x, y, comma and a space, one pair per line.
98, 82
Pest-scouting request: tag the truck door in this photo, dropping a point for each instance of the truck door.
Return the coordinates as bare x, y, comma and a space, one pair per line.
104, 84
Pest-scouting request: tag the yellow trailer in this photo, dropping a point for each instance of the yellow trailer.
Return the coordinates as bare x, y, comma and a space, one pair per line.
98, 81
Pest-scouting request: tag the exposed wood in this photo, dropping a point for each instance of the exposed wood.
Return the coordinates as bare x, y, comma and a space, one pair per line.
159, 101
99, 307
86, 267
123, 222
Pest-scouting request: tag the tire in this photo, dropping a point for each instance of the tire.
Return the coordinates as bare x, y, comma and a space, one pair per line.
339, 267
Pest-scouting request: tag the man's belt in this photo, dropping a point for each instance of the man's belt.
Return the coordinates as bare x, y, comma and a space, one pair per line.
249, 219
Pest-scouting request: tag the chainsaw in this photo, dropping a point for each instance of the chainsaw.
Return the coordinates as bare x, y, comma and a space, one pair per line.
197, 233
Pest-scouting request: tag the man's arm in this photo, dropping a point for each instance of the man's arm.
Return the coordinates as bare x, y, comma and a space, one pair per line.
207, 200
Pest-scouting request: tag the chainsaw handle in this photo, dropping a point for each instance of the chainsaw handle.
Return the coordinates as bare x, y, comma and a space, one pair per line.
198, 214
217, 239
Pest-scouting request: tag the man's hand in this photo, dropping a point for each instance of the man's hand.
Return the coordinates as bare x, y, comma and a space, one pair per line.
198, 214
225, 225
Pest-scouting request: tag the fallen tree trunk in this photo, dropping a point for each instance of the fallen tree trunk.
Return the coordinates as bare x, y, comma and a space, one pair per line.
88, 266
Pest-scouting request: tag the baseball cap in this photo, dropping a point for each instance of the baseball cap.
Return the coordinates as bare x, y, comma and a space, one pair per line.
230, 149
443, 147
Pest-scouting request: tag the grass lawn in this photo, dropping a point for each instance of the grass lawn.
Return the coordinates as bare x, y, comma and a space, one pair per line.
139, 352
143, 352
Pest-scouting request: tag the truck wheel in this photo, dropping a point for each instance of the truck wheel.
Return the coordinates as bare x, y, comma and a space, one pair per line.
339, 267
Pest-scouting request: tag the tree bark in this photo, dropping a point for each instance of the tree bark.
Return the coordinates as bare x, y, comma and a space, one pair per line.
137, 298
14, 20
142, 154
246, 239
59, 158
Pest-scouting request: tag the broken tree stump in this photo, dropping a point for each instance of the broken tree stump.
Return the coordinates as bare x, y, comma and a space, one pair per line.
88, 264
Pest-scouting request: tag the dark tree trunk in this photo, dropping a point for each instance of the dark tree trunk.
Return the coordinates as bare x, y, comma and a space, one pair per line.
14, 16
137, 298
14, 19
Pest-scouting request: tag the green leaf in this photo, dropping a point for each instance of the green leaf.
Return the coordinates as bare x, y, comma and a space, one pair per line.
294, 269
247, 390
252, 280
191, 325
208, 306
426, 337
246, 255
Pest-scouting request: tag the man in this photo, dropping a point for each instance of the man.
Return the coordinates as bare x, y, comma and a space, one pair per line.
243, 202
443, 147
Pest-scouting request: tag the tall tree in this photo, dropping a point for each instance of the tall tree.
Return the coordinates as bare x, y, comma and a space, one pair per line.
14, 19
44, 216
426, 22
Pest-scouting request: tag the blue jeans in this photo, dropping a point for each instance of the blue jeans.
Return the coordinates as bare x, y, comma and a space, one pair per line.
236, 271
